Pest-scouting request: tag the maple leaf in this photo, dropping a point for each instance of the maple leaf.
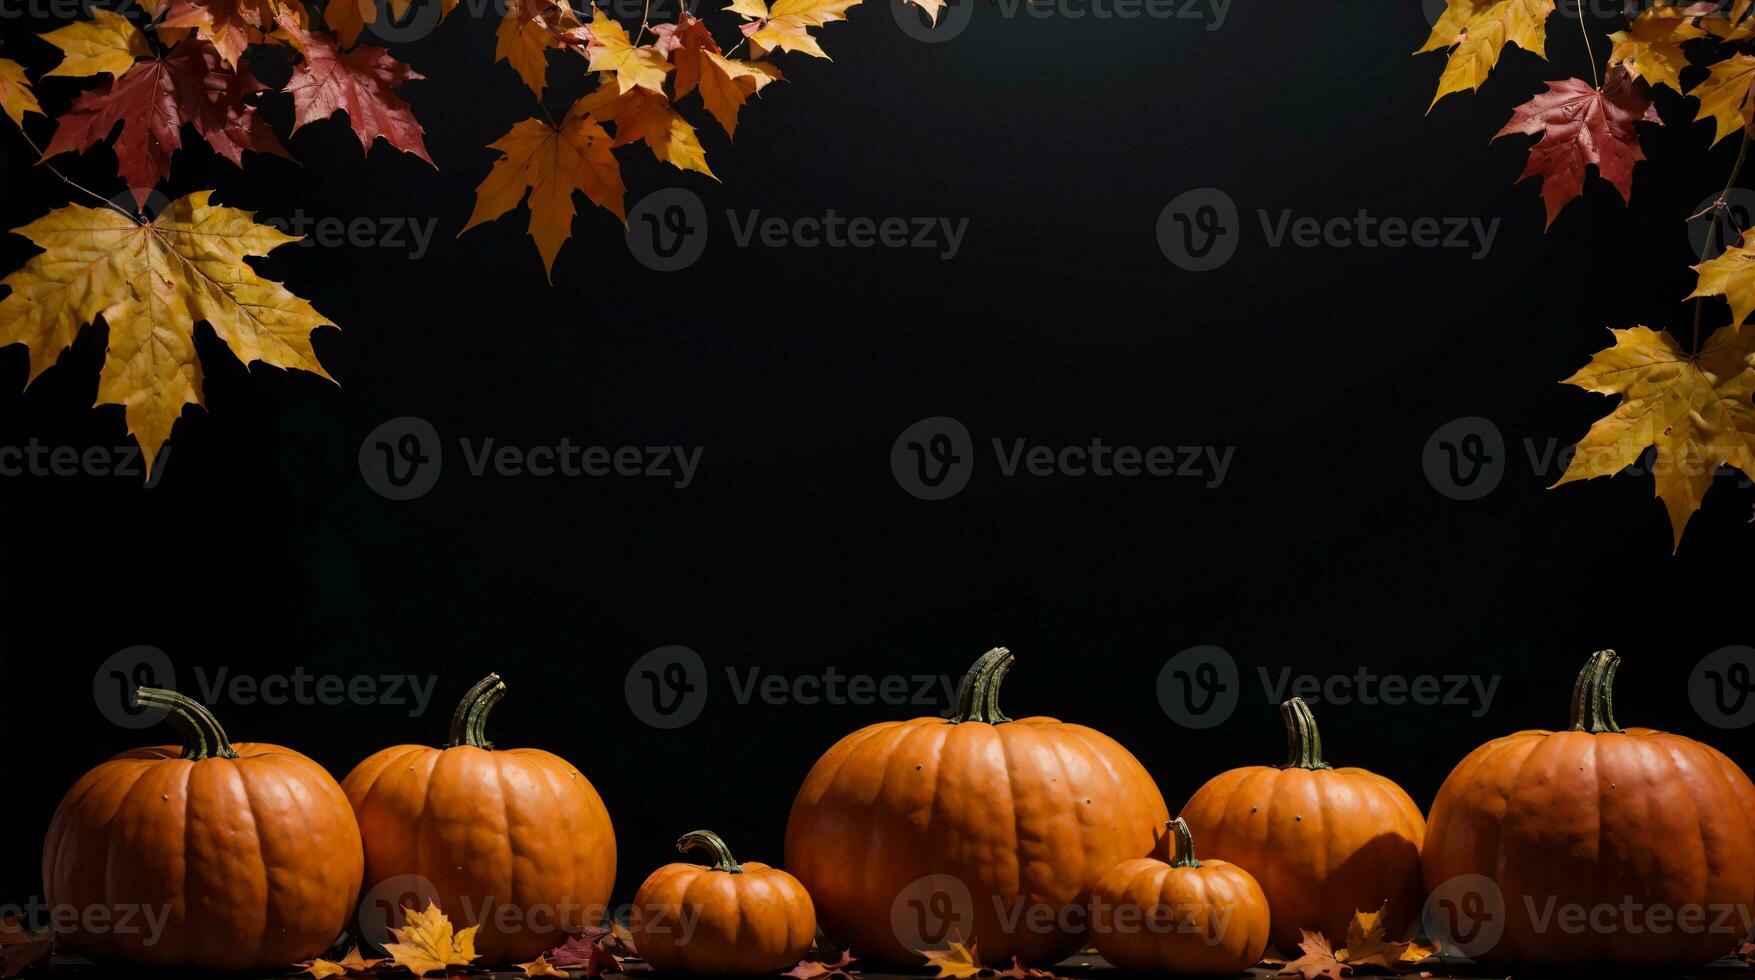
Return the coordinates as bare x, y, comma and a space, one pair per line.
685, 43
959, 962
1367, 945
22, 949
1731, 275
524, 45
1475, 31
632, 67
1019, 971
588, 950
641, 115
786, 24
229, 25
1652, 47
818, 969
1581, 125
152, 101
1725, 97
1694, 409
427, 943
360, 82
1319, 960
108, 44
152, 282
355, 962
1733, 25
726, 84
15, 94
541, 967
551, 163
321, 969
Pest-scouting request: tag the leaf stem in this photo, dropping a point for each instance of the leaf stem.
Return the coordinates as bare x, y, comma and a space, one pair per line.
1719, 210
1590, 54
70, 182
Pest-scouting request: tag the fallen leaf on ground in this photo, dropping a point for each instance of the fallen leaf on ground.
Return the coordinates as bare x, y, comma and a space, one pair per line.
428, 943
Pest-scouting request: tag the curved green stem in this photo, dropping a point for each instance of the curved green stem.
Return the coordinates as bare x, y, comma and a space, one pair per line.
1303, 741
199, 729
469, 722
1181, 845
978, 696
722, 859
1593, 695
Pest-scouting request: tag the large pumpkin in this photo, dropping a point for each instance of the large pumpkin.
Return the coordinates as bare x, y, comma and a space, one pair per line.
976, 827
1594, 846
722, 919
1324, 843
515, 841
205, 855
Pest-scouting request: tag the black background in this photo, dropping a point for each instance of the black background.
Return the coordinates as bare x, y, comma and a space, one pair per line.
1326, 550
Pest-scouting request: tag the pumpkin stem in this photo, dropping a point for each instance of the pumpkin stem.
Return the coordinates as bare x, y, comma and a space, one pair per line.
1303, 741
978, 697
1593, 695
200, 731
469, 722
1181, 844
722, 859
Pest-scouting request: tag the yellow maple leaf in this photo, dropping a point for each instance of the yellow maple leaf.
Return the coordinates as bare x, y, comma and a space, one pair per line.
427, 943
107, 44
348, 18
786, 24
959, 962
1652, 47
1475, 31
726, 84
1369, 947
1731, 275
355, 962
1695, 409
152, 283
641, 115
633, 66
15, 94
551, 163
320, 969
1732, 25
1724, 95
541, 967
524, 45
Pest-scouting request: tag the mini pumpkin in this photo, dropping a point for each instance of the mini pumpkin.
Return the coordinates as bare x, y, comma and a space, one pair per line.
1633, 831
722, 918
1173, 913
976, 826
247, 854
1324, 843
515, 841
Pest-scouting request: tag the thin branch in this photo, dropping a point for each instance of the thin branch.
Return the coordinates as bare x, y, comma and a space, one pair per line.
70, 182
1589, 53
1720, 211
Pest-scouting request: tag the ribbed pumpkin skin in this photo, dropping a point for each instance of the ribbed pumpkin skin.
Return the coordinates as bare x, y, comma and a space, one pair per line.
692, 919
257, 858
507, 827
1220, 911
1592, 818
1025, 813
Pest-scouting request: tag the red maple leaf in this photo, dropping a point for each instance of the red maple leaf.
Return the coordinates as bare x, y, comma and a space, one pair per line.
360, 82
151, 102
1580, 125
585, 950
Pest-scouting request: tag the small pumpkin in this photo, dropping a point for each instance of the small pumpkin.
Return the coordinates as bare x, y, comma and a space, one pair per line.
515, 841
247, 852
976, 826
722, 918
1173, 913
1629, 827
1324, 843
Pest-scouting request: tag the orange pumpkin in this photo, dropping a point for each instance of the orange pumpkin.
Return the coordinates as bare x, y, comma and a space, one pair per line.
723, 918
1593, 846
206, 855
1324, 843
1172, 913
911, 833
515, 841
